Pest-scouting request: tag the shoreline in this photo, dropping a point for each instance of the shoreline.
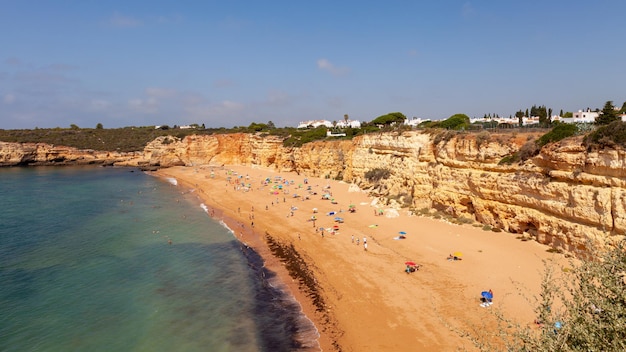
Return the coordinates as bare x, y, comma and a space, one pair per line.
256, 241
369, 302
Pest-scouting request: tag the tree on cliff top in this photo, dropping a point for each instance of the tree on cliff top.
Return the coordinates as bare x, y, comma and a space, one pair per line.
389, 119
608, 114
455, 122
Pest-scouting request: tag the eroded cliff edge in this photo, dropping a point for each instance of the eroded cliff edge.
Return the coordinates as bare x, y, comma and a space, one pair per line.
567, 196
39, 154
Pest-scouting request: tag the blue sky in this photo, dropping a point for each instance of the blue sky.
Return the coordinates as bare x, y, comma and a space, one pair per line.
231, 63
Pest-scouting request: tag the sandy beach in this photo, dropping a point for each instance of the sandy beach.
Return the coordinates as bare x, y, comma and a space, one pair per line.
362, 298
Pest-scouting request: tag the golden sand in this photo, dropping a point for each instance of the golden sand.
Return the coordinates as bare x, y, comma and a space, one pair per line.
364, 299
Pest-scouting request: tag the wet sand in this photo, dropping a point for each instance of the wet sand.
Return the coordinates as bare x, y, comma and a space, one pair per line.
362, 299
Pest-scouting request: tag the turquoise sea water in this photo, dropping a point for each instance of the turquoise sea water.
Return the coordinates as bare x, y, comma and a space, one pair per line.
86, 265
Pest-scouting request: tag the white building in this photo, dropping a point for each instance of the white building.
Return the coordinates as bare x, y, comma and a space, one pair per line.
315, 124
578, 117
326, 123
526, 121
585, 116
415, 121
330, 134
349, 123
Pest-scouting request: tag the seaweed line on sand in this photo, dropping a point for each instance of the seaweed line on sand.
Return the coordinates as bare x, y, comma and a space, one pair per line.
299, 270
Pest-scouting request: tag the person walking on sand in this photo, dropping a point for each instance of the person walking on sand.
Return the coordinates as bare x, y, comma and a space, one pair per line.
352, 238
365, 246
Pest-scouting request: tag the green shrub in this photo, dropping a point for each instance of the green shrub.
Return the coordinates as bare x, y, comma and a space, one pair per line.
509, 159
528, 150
444, 136
301, 137
607, 136
559, 132
377, 174
482, 138
455, 122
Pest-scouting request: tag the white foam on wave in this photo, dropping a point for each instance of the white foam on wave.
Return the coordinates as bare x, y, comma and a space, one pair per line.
226, 227
172, 181
204, 207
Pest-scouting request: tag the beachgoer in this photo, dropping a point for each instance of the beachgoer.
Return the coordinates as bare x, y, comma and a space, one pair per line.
352, 238
365, 246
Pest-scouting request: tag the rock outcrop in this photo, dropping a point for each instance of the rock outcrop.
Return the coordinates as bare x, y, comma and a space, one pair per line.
566, 196
34, 154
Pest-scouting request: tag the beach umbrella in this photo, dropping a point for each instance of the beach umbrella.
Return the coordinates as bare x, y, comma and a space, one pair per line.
402, 233
410, 263
457, 254
487, 295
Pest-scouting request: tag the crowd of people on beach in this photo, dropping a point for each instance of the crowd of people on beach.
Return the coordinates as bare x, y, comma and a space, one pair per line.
280, 190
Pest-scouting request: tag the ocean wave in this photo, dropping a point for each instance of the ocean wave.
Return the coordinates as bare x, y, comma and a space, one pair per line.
226, 227
204, 207
172, 181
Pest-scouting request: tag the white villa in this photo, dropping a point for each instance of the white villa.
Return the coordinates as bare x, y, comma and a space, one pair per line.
326, 123
526, 121
585, 116
315, 124
415, 121
349, 123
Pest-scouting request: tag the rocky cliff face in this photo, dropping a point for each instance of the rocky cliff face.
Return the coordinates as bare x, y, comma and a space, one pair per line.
566, 196
22, 154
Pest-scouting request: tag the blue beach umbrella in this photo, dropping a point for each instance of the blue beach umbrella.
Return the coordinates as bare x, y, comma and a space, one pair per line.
487, 294
402, 233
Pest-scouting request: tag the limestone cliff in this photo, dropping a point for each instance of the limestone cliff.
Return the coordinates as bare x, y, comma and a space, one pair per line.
565, 196
22, 154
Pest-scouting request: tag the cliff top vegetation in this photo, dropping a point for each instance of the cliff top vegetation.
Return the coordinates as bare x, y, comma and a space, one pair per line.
133, 138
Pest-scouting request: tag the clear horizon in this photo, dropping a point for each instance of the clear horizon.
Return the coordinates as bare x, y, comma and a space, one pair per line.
226, 64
